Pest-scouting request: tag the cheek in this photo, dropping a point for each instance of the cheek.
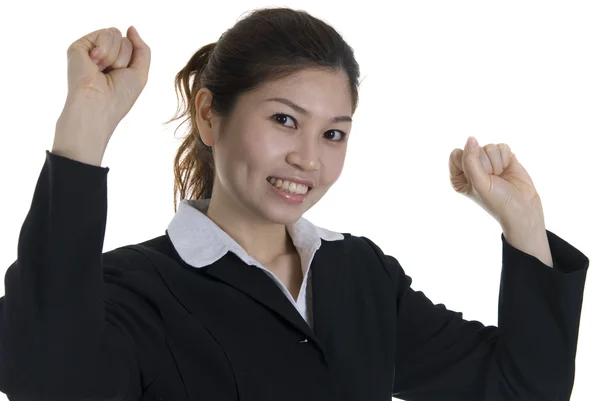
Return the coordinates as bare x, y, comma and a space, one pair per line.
333, 164
253, 148
263, 145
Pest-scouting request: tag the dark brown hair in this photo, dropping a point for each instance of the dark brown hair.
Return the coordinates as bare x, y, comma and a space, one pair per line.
268, 44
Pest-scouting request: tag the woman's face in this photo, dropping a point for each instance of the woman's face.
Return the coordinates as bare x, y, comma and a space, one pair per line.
274, 139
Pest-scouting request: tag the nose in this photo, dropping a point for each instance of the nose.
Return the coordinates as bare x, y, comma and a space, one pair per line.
305, 155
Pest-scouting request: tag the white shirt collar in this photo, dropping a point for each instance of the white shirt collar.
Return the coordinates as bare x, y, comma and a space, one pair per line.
200, 242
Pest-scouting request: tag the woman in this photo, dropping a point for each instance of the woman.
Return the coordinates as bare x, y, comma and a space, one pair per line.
243, 298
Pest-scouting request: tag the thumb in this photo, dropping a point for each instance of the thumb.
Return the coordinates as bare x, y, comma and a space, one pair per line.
473, 167
140, 58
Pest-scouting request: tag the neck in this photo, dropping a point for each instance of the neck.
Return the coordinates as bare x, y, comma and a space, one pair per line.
262, 240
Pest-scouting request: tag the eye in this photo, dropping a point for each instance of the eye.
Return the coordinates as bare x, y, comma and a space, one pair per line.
281, 118
342, 135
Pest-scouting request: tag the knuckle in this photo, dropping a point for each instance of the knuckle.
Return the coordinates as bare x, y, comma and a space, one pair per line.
127, 45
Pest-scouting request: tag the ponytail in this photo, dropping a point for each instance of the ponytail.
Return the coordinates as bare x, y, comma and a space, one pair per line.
193, 166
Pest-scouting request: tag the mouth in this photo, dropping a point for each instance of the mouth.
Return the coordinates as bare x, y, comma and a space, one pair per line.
291, 187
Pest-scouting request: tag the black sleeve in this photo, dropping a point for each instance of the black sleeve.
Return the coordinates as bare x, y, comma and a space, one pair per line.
529, 356
57, 341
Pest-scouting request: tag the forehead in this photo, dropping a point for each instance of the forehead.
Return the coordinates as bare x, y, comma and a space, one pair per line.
309, 77
314, 89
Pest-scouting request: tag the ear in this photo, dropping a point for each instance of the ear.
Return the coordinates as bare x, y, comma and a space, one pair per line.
204, 116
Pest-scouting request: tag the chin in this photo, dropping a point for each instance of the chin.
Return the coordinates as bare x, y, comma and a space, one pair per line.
277, 211
283, 216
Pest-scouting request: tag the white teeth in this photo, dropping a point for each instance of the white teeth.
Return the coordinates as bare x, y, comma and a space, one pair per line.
288, 186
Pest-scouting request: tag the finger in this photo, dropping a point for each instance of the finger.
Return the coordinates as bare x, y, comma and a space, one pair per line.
124, 56
87, 42
506, 154
486, 164
140, 59
458, 179
472, 162
494, 159
82, 48
455, 162
101, 41
112, 49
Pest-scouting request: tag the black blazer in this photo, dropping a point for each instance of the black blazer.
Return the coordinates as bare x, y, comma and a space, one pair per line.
137, 323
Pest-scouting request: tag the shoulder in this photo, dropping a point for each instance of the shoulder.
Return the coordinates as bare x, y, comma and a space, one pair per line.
362, 252
135, 266
139, 255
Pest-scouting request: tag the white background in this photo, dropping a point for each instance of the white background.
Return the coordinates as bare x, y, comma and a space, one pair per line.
525, 73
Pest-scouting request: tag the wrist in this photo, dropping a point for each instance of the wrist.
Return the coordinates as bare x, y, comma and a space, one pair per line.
76, 142
533, 241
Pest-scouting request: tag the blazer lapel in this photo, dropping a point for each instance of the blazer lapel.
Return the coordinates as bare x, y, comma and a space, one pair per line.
328, 282
256, 284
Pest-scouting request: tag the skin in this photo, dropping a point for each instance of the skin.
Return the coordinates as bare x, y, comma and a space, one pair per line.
257, 144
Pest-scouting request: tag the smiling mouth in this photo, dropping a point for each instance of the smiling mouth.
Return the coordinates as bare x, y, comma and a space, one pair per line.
288, 186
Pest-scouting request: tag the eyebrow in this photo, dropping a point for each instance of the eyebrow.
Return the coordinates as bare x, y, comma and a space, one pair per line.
302, 110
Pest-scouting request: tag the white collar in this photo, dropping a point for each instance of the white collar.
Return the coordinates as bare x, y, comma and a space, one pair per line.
200, 242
